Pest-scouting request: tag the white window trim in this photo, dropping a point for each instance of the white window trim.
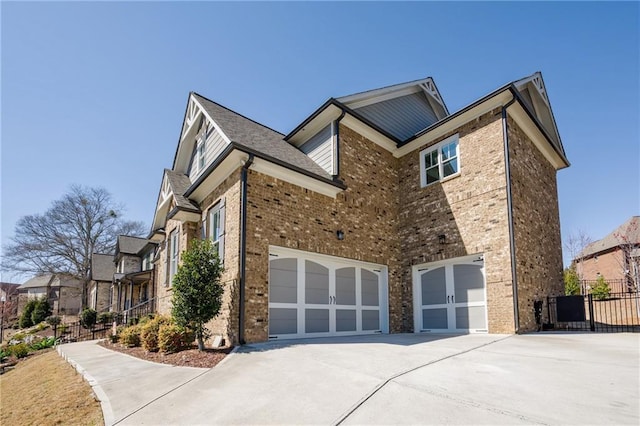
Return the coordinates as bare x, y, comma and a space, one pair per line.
219, 207
174, 254
438, 147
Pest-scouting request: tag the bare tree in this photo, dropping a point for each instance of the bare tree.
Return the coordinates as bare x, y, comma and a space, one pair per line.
84, 221
575, 245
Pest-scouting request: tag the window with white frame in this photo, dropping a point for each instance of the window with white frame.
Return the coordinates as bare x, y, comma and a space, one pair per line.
439, 162
216, 228
174, 252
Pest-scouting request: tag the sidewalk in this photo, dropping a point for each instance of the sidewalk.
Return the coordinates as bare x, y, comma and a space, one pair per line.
122, 383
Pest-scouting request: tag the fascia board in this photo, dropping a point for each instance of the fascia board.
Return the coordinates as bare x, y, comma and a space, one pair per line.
378, 138
326, 116
441, 129
270, 169
223, 170
522, 119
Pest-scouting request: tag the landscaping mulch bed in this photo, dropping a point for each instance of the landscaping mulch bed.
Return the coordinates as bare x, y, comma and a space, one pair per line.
187, 358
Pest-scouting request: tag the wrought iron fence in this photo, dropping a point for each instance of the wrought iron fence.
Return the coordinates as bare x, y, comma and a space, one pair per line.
619, 312
616, 286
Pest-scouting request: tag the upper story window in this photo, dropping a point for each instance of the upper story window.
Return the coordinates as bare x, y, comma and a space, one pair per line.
216, 228
147, 261
174, 252
440, 162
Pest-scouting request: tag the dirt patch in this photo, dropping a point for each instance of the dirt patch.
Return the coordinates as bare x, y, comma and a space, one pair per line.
187, 358
43, 389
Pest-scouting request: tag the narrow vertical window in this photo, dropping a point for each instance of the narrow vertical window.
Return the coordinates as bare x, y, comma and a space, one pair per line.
216, 229
174, 250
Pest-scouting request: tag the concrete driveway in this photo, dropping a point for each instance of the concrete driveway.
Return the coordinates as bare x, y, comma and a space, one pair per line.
417, 379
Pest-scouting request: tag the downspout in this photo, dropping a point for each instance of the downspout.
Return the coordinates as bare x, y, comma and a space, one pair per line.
243, 244
337, 163
512, 240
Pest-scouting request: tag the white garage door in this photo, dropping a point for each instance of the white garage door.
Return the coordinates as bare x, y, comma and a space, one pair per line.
450, 296
312, 295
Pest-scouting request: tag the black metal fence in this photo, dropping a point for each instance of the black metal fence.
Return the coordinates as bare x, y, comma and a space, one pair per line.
616, 286
620, 312
76, 332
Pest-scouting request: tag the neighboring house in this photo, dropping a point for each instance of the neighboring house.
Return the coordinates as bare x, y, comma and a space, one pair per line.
9, 300
616, 257
63, 292
102, 270
132, 282
382, 212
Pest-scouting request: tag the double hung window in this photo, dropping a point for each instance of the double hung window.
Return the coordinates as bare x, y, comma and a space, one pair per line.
440, 161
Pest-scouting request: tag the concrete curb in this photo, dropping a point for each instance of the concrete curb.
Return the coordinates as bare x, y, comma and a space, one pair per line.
105, 404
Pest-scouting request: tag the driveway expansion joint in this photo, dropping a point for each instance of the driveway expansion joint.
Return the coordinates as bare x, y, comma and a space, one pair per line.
382, 384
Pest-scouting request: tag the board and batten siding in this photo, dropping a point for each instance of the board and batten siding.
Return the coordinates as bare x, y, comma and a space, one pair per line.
214, 145
320, 148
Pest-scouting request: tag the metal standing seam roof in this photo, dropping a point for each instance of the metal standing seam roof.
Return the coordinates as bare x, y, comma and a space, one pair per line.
628, 232
245, 132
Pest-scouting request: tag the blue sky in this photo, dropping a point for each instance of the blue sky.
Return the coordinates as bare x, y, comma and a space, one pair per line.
94, 93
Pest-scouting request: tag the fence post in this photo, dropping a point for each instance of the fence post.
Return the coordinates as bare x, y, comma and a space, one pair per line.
548, 311
592, 321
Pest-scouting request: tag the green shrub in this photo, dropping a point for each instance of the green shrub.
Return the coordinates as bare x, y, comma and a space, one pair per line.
41, 310
173, 338
53, 321
601, 289
41, 326
88, 318
130, 336
571, 282
25, 317
105, 318
149, 333
19, 336
114, 338
45, 343
20, 350
4, 353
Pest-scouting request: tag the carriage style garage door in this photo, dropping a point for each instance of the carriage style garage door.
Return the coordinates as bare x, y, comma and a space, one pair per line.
450, 296
312, 295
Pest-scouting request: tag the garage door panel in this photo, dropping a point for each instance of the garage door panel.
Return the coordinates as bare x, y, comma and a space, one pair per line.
316, 290
283, 321
370, 289
283, 281
316, 320
471, 317
371, 320
346, 286
435, 319
434, 287
346, 320
469, 284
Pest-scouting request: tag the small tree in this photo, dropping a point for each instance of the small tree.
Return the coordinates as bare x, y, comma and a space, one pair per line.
571, 282
197, 291
88, 318
41, 310
25, 317
601, 289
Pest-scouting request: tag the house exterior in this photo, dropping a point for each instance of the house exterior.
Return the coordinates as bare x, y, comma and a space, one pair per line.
102, 270
9, 300
616, 257
132, 283
64, 293
382, 212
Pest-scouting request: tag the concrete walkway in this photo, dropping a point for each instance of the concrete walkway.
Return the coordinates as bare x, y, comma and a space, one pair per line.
408, 379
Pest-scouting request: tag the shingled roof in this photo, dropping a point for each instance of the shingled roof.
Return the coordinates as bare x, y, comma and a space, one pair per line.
102, 267
627, 233
245, 132
131, 245
179, 184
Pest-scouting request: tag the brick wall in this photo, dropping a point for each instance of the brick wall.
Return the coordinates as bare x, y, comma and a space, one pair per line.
286, 215
608, 264
470, 210
536, 225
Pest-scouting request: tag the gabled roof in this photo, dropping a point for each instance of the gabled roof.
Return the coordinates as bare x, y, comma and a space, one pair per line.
628, 234
131, 245
257, 137
179, 183
102, 267
53, 280
39, 281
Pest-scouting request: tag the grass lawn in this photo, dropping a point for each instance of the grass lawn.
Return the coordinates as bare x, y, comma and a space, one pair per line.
45, 390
